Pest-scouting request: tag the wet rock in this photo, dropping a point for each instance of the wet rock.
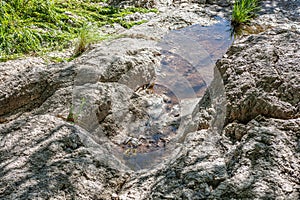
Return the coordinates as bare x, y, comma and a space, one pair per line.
190, 173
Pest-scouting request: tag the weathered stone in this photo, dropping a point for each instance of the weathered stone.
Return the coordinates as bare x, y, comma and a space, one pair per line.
270, 85
264, 162
28, 88
242, 140
45, 157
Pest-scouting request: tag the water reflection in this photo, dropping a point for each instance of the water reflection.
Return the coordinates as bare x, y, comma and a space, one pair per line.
199, 46
187, 69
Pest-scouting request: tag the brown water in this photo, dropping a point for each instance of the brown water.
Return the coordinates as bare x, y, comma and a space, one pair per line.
189, 57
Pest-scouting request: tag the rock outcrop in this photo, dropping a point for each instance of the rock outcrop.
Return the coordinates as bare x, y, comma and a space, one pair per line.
70, 130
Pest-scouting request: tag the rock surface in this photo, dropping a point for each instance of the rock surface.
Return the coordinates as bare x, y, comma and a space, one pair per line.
242, 140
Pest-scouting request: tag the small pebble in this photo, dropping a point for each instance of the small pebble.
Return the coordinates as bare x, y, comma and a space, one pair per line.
167, 99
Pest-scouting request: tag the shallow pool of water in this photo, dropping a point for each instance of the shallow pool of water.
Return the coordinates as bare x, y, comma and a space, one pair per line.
187, 68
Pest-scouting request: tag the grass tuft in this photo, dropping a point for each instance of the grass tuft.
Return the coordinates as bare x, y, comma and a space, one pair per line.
39, 26
87, 36
243, 11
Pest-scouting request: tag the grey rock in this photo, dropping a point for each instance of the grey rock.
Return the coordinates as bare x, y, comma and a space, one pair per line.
240, 141
126, 60
220, 3
265, 158
136, 3
53, 159
27, 89
271, 91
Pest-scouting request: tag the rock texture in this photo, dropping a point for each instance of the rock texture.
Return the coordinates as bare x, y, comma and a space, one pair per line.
242, 140
256, 156
270, 85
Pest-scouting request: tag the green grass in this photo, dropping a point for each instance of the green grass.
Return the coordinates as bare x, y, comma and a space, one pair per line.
243, 11
39, 26
86, 36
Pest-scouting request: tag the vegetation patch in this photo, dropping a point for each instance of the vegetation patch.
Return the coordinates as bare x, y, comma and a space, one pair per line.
243, 11
38, 26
